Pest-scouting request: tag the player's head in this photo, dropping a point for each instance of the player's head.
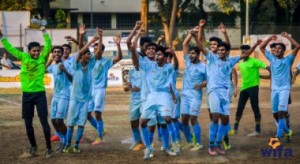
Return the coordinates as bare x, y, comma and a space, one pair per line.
4, 55
96, 46
85, 58
280, 49
161, 55
223, 49
150, 50
273, 48
57, 52
213, 44
67, 50
245, 48
143, 42
34, 49
194, 53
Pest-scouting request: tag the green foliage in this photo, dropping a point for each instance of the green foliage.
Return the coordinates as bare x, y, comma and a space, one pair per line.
60, 17
18, 5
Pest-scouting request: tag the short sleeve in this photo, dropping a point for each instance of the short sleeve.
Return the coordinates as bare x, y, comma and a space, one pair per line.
268, 55
50, 68
291, 59
234, 60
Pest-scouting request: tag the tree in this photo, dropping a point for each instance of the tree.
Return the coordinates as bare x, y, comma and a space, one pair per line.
144, 14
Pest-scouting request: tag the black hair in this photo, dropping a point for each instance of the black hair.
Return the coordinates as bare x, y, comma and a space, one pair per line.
151, 44
273, 45
282, 46
162, 49
218, 40
66, 45
196, 49
144, 40
86, 51
33, 44
103, 46
57, 47
245, 47
224, 44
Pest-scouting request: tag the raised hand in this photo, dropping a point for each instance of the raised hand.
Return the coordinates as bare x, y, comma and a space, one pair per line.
258, 42
142, 31
161, 38
117, 39
82, 29
202, 22
222, 27
61, 67
273, 37
170, 50
135, 89
99, 32
69, 38
138, 24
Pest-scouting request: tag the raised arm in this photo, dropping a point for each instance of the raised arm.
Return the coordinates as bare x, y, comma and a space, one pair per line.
136, 38
160, 39
47, 46
201, 35
201, 46
98, 52
185, 44
293, 41
81, 35
222, 28
119, 57
266, 76
85, 47
137, 26
249, 52
49, 61
71, 39
10, 48
263, 46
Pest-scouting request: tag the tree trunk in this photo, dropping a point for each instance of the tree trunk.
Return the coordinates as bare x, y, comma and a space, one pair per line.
201, 10
280, 13
144, 14
44, 6
172, 22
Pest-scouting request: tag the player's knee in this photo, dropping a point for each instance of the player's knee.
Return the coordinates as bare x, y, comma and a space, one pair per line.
281, 114
144, 123
71, 127
194, 120
168, 119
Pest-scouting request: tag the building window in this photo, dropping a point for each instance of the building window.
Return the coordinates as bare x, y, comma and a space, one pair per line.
100, 20
127, 21
74, 21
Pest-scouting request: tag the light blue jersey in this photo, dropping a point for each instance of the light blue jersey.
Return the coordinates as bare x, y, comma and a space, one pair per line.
82, 81
280, 71
193, 74
61, 83
219, 71
144, 89
174, 81
100, 72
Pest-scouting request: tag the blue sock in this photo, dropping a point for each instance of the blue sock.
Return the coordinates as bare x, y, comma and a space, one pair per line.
197, 132
187, 133
78, 136
213, 128
165, 138
136, 135
221, 132
177, 131
171, 130
145, 136
63, 139
100, 128
159, 135
151, 136
58, 134
69, 136
281, 127
180, 125
93, 122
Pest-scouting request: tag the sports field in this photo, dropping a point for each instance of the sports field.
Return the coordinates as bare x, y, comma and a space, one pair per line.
14, 143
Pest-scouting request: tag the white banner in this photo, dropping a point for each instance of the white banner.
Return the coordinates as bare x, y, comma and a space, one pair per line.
11, 78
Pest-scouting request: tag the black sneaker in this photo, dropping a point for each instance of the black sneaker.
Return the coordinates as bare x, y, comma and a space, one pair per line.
32, 151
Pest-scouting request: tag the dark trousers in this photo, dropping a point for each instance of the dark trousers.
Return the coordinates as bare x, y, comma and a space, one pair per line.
38, 99
251, 93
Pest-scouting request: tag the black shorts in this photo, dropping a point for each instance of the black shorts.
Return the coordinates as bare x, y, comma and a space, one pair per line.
31, 99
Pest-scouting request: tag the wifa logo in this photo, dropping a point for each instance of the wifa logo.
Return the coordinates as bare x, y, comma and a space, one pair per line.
276, 150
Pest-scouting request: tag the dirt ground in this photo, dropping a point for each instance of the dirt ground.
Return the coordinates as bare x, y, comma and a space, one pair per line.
14, 143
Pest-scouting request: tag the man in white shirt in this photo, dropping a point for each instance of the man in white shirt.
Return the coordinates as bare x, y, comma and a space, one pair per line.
5, 62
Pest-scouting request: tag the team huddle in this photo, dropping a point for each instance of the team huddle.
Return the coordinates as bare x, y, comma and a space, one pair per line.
80, 83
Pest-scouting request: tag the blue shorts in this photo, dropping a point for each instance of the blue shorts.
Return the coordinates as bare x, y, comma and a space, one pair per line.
77, 113
191, 102
99, 98
91, 106
59, 108
219, 102
175, 107
135, 109
280, 100
152, 121
157, 104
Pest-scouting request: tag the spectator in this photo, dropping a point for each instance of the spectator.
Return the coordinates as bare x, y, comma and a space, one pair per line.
6, 62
